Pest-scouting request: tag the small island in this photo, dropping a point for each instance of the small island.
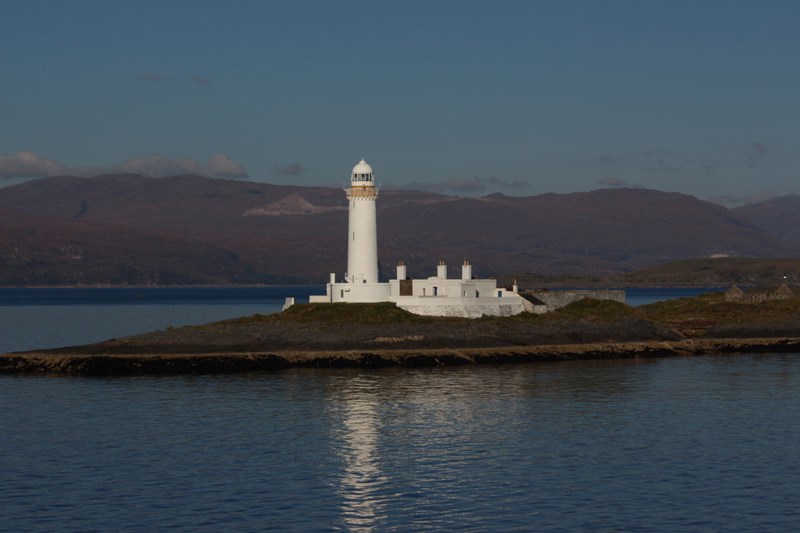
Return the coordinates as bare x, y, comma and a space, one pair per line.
336, 335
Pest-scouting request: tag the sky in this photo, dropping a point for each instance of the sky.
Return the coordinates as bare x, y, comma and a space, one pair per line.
460, 97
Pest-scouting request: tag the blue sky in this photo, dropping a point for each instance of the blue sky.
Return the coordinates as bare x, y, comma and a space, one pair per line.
461, 97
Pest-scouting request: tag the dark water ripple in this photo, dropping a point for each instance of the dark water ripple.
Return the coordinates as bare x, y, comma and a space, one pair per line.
701, 444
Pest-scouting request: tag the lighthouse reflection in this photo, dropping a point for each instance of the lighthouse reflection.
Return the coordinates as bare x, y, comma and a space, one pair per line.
362, 478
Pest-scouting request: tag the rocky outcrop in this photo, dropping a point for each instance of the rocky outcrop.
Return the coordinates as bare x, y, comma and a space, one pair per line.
164, 363
294, 204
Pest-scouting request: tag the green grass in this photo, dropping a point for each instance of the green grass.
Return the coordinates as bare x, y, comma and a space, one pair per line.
594, 310
350, 313
692, 316
712, 310
587, 310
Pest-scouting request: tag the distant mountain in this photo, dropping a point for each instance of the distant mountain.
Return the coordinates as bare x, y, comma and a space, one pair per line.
127, 229
45, 252
603, 231
779, 216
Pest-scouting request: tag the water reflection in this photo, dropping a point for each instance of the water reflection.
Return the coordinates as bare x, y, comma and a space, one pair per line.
362, 479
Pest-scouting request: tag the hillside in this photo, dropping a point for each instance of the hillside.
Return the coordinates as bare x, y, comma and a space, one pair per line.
711, 316
127, 229
706, 272
779, 216
38, 251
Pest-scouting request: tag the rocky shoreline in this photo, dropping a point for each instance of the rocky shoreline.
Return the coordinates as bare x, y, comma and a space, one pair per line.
204, 363
382, 335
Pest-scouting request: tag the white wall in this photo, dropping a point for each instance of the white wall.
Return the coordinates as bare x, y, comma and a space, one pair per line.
354, 292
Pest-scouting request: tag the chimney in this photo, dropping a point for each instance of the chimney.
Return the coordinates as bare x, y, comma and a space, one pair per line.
466, 270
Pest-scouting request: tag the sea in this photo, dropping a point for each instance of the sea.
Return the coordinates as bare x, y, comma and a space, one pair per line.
706, 443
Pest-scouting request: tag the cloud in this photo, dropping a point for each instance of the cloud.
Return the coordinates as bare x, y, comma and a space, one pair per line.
732, 200
612, 182
222, 166
460, 185
463, 185
31, 165
292, 169
506, 184
658, 161
755, 157
157, 165
663, 163
199, 80
152, 76
456, 185
28, 165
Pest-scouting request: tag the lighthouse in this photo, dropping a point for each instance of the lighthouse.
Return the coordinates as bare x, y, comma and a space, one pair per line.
362, 236
360, 282
434, 296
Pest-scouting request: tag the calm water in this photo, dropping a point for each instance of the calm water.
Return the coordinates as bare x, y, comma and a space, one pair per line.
700, 444
43, 318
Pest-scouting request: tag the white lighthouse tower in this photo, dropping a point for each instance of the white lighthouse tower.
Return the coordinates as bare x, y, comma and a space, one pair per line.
362, 242
361, 279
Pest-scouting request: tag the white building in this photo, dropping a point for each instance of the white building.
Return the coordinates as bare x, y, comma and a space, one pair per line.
435, 296
442, 296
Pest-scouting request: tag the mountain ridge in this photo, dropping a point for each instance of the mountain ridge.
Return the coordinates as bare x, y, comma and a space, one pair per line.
780, 216
247, 232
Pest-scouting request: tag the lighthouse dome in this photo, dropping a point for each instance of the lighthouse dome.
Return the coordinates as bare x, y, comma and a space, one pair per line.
362, 174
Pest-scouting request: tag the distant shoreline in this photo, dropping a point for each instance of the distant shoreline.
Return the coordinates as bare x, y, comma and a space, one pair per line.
44, 362
503, 279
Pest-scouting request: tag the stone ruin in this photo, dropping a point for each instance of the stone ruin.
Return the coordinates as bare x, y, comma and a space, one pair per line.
757, 296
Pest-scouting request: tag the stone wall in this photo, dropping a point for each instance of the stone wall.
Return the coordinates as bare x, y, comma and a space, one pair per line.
557, 299
462, 307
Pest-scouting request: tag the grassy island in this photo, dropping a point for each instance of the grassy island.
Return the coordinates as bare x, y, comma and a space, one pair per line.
374, 335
